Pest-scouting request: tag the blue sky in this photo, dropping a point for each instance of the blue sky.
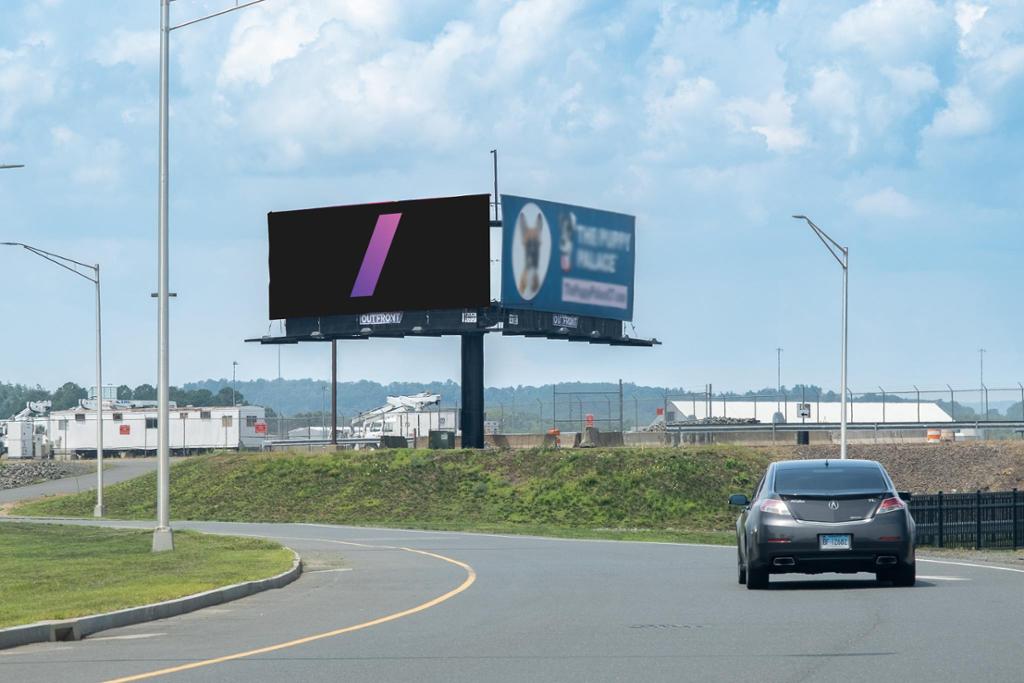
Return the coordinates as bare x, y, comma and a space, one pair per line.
896, 126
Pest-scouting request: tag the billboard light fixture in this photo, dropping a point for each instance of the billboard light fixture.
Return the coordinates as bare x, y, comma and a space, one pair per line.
418, 329
366, 331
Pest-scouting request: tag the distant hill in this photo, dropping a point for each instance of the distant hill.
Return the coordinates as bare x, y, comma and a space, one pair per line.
299, 396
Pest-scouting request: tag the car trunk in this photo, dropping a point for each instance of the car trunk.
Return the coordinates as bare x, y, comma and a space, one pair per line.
843, 508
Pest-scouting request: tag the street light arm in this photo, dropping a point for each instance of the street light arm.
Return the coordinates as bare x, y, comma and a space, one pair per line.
61, 261
829, 243
215, 14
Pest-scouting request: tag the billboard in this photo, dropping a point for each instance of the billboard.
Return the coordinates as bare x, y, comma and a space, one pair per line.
387, 257
567, 259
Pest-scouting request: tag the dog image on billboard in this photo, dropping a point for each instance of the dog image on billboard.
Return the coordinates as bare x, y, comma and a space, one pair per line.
568, 227
529, 279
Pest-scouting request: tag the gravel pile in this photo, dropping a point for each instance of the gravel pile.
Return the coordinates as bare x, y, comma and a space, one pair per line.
928, 468
15, 474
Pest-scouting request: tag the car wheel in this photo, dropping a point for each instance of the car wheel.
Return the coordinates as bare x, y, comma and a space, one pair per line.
905, 575
757, 578
740, 568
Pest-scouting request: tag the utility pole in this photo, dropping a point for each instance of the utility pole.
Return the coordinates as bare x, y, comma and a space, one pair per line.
73, 266
842, 255
778, 379
981, 385
163, 538
234, 364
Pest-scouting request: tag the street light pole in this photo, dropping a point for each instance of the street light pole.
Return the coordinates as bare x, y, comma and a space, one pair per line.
842, 256
778, 386
981, 386
73, 265
163, 538
234, 364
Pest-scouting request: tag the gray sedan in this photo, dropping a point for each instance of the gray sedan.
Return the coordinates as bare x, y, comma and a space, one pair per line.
814, 516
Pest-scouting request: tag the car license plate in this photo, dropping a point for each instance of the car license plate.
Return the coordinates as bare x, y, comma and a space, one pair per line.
835, 541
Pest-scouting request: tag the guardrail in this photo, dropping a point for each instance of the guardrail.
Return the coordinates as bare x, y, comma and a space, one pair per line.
993, 519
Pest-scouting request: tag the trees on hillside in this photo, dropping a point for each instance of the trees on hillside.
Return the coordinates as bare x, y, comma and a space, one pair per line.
67, 396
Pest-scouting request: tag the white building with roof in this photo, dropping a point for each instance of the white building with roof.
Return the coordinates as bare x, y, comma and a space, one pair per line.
808, 412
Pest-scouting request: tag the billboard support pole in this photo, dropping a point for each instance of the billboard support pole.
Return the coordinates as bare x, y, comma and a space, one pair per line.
473, 390
334, 392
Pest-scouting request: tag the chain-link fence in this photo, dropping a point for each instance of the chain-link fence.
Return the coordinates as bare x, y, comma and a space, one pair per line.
644, 409
632, 408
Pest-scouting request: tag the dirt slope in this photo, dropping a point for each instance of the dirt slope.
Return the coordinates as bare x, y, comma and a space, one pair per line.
927, 468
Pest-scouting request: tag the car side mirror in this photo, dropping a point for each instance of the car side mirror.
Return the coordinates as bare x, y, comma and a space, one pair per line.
739, 499
905, 495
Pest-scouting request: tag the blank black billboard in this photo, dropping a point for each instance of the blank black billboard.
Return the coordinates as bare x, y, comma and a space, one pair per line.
392, 256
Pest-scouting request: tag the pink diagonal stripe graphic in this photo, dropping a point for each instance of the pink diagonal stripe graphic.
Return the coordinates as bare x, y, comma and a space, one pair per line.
376, 253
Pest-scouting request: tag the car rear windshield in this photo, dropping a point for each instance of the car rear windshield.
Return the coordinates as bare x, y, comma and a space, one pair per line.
829, 480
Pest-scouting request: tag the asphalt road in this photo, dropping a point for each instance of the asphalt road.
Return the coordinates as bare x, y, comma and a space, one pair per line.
117, 470
533, 609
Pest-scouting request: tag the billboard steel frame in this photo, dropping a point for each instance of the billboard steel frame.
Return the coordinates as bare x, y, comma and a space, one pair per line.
470, 325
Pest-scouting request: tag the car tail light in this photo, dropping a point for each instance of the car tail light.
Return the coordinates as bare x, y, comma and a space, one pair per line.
891, 505
774, 506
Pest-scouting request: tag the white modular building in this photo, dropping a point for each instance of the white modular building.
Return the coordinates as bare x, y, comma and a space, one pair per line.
133, 430
768, 411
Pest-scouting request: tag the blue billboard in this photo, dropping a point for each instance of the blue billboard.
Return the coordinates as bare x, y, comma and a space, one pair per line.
567, 259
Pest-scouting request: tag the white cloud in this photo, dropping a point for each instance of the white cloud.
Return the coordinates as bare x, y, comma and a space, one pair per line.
771, 118
885, 29
272, 33
527, 31
888, 203
964, 115
967, 15
689, 96
344, 92
836, 96
62, 135
27, 77
911, 81
1002, 67
138, 48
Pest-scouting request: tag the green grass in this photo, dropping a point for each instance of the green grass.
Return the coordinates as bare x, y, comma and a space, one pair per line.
52, 571
668, 494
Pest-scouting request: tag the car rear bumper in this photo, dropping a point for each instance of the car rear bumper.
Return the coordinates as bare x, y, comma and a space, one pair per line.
794, 547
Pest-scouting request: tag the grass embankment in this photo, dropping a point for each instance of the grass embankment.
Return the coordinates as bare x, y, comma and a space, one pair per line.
58, 572
652, 494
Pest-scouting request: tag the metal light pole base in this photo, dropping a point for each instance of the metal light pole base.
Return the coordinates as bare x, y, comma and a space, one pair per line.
99, 511
163, 539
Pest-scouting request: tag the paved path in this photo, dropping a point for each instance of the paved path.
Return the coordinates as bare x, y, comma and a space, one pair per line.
392, 605
558, 610
119, 470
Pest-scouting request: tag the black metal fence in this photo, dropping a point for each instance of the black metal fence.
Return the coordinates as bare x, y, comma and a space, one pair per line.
970, 520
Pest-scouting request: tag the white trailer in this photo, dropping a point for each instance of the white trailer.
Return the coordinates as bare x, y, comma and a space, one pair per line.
19, 439
134, 430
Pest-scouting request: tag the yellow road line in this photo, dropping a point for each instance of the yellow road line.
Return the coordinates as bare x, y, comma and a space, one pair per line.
470, 578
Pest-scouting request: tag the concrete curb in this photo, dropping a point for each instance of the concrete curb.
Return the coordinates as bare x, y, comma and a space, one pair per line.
80, 627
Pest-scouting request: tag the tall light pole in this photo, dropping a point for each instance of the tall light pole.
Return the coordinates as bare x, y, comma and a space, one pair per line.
163, 538
234, 364
778, 383
842, 255
981, 386
73, 265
